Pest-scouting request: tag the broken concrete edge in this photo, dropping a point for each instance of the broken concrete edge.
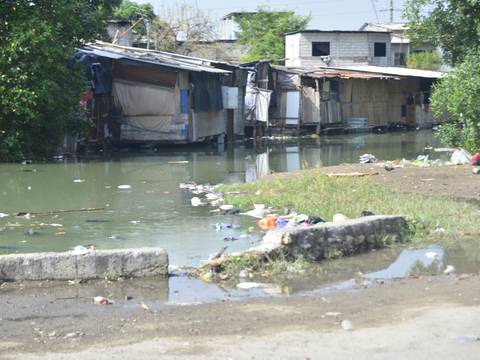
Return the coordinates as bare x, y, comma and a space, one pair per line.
328, 240
96, 264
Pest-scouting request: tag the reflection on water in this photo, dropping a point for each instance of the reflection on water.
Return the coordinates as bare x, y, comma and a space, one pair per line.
154, 211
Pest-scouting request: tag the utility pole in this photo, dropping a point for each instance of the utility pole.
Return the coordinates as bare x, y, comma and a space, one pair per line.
392, 10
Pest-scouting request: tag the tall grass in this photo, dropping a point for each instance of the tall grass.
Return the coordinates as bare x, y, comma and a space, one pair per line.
313, 193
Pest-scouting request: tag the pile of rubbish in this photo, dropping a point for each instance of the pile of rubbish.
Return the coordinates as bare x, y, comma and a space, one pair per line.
208, 195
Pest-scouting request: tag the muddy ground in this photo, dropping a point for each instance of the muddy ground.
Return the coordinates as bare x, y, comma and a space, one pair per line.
456, 182
423, 317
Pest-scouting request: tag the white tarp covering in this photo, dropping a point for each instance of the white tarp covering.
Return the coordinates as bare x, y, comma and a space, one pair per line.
145, 106
262, 102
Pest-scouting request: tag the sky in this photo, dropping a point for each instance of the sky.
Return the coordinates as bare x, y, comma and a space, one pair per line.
326, 14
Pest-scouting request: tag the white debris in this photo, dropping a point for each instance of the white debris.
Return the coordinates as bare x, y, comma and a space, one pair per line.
333, 313
178, 162
431, 255
80, 250
56, 225
195, 201
79, 181
226, 207
347, 325
339, 218
124, 187
449, 270
248, 285
257, 212
367, 158
2, 215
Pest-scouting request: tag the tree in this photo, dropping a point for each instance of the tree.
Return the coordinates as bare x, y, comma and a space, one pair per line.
424, 60
453, 25
181, 28
141, 13
264, 32
457, 98
39, 85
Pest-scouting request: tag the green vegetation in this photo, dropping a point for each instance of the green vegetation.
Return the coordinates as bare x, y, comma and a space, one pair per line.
263, 32
39, 86
314, 193
454, 26
425, 60
457, 98
130, 10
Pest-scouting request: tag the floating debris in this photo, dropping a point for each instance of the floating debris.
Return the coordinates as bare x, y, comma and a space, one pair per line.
124, 187
79, 181
2, 215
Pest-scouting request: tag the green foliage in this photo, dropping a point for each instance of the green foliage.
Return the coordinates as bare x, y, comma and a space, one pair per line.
313, 193
453, 25
39, 86
457, 98
130, 10
264, 31
425, 60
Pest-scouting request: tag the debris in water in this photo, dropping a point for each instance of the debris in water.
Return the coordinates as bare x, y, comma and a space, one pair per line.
249, 285
79, 181
230, 238
81, 250
431, 255
257, 212
31, 232
2, 215
178, 162
347, 325
195, 201
124, 187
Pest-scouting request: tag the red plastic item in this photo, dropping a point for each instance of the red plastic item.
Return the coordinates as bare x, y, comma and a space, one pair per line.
475, 160
267, 223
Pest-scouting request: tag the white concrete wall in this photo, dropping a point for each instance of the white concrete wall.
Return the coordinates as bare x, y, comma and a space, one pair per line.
346, 49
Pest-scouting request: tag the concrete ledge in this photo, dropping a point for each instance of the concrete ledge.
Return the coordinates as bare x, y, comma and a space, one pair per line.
97, 264
331, 240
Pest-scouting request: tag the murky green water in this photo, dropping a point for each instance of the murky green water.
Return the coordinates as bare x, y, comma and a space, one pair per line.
154, 211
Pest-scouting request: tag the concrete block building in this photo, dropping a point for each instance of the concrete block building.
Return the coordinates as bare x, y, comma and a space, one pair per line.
314, 48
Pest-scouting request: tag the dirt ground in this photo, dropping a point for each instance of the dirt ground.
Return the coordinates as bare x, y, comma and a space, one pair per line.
430, 317
457, 182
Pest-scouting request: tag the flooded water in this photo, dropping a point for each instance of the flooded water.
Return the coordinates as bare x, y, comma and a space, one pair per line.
152, 210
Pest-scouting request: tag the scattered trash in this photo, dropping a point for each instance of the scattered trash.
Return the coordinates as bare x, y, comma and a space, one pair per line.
222, 226
79, 181
332, 313
80, 250
248, 285
347, 325
60, 233
56, 225
244, 273
268, 223
367, 158
218, 254
460, 157
339, 218
135, 222
257, 212
226, 207
178, 162
124, 187
449, 270
7, 228
230, 238
145, 307
102, 301
431, 255
475, 159
2, 215
195, 201
388, 167
476, 171
115, 237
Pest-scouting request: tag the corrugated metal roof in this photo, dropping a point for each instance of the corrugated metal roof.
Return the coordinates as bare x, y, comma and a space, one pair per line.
396, 71
334, 32
326, 72
154, 57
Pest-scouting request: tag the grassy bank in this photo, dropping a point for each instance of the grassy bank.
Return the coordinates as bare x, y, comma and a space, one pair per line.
313, 193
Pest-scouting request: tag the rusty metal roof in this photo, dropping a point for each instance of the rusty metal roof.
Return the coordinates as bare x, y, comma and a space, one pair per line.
154, 57
326, 72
